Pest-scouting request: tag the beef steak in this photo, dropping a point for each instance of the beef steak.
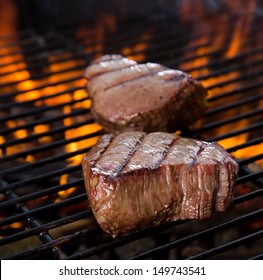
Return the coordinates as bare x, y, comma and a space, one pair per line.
143, 97
135, 180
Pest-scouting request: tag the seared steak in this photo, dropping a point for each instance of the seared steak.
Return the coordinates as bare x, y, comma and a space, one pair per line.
136, 180
143, 97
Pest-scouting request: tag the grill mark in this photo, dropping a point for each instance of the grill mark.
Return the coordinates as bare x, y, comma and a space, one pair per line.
201, 148
135, 78
110, 70
130, 155
102, 152
177, 78
168, 149
219, 162
112, 172
144, 142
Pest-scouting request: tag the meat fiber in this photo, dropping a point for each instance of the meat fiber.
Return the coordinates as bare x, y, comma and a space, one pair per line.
136, 180
142, 97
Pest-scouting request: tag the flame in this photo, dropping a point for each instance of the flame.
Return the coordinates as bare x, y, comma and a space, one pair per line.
92, 39
250, 152
41, 128
199, 67
15, 225
93, 36
136, 52
2, 141
31, 89
242, 29
8, 26
8, 17
66, 193
76, 132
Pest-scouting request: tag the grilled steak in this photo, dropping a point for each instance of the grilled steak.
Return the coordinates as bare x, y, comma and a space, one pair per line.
142, 97
136, 180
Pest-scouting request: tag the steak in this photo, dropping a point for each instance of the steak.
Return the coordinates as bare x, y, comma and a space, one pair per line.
127, 96
136, 180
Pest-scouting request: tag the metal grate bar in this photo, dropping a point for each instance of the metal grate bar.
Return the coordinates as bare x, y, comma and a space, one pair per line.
52, 41
42, 162
212, 53
45, 75
230, 245
250, 159
32, 222
253, 86
46, 176
45, 147
101, 247
235, 118
245, 145
32, 37
58, 242
72, 47
89, 120
43, 209
258, 257
63, 81
39, 66
250, 177
224, 67
37, 110
41, 98
45, 227
196, 236
241, 78
249, 196
125, 240
234, 104
257, 180
47, 120
236, 132
41, 193
132, 237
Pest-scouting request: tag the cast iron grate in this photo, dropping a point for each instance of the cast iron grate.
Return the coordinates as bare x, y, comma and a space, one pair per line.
46, 128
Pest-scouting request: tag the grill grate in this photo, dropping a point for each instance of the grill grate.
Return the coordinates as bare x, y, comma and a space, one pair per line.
46, 128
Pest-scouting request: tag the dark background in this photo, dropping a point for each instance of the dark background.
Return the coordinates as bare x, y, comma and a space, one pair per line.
35, 13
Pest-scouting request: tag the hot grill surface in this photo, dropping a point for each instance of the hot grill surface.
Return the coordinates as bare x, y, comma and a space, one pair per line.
46, 128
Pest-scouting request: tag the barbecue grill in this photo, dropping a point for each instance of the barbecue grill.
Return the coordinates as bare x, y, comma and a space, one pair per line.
47, 127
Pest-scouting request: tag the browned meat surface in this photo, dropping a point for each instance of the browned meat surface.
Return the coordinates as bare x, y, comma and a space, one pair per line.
143, 97
135, 180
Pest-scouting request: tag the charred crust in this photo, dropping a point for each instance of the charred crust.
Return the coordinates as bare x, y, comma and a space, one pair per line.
130, 154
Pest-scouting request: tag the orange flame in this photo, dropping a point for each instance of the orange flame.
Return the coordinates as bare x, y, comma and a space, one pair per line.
94, 40
136, 51
237, 43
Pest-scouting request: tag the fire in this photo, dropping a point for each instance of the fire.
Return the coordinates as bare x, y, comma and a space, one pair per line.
61, 68
8, 17
41, 128
136, 51
2, 141
199, 68
76, 132
199, 52
66, 193
93, 36
15, 225
250, 152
